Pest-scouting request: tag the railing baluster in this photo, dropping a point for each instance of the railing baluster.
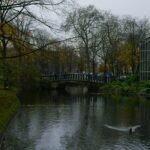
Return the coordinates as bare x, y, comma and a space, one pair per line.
75, 77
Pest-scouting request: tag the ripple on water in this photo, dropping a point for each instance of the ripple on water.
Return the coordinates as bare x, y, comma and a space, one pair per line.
77, 124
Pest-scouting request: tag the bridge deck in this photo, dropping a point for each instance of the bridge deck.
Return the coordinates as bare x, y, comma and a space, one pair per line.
75, 77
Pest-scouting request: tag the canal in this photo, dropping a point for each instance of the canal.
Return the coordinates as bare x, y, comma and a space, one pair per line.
58, 121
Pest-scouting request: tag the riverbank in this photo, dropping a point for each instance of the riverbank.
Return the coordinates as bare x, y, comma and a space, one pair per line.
126, 87
8, 106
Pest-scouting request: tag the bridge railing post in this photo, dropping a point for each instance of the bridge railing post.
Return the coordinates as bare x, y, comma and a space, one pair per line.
75, 76
82, 76
71, 76
59, 76
50, 77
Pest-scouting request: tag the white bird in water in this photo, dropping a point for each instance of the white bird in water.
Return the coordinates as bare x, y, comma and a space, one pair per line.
130, 129
133, 128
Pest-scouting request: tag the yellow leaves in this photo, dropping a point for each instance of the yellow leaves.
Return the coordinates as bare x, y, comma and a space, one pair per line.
128, 55
13, 35
124, 54
7, 29
103, 68
63, 56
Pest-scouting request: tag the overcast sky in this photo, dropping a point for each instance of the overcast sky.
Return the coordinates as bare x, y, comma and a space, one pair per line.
135, 8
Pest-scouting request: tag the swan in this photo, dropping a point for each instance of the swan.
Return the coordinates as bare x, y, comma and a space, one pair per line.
130, 129
133, 128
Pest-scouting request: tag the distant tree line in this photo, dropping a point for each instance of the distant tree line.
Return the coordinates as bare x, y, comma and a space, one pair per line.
100, 42
20, 50
107, 40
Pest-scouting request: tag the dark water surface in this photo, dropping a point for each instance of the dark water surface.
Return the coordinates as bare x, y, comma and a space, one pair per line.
54, 121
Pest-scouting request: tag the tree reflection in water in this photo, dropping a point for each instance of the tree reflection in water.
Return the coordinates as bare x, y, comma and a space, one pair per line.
58, 121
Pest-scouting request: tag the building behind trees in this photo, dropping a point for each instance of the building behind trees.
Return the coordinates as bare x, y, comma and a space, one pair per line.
145, 60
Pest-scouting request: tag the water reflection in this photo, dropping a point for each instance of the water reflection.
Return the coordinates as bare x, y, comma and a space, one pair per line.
55, 121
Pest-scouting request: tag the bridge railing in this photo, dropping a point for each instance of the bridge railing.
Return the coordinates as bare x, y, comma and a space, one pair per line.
76, 77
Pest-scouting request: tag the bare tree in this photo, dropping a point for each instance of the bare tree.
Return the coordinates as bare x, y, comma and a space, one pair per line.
134, 32
11, 10
113, 32
104, 50
84, 23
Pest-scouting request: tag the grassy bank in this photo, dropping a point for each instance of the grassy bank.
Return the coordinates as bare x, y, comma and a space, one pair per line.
128, 86
8, 106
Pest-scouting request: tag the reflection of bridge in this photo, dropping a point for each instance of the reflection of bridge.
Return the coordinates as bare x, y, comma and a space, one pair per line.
78, 77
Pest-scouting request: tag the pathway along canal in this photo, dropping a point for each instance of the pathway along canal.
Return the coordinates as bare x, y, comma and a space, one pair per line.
56, 121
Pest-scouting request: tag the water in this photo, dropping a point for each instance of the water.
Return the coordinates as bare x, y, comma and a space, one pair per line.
55, 121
